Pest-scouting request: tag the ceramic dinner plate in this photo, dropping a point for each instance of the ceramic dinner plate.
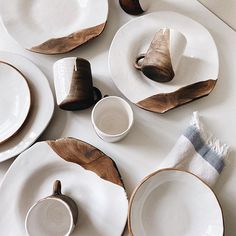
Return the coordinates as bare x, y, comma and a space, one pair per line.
197, 72
173, 202
14, 100
87, 175
41, 111
55, 26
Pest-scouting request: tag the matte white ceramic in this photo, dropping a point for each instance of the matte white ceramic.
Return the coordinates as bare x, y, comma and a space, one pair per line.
112, 118
225, 10
54, 26
14, 100
41, 109
199, 63
173, 202
102, 205
49, 217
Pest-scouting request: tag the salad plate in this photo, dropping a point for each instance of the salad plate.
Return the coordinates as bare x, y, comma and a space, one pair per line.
14, 100
174, 202
55, 26
41, 110
197, 72
87, 175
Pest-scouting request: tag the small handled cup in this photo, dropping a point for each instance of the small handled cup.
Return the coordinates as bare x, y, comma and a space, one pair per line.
161, 61
74, 84
55, 215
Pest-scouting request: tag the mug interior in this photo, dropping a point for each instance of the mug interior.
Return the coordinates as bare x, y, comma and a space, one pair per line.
112, 116
49, 217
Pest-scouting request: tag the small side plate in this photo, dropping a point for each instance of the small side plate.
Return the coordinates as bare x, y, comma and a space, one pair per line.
15, 100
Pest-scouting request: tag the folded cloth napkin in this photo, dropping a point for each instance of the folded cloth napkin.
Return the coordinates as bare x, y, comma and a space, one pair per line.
198, 152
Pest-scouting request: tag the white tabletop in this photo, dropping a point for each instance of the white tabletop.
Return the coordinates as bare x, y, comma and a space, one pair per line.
153, 135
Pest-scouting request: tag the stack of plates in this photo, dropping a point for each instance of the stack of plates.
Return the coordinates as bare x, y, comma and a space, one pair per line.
26, 104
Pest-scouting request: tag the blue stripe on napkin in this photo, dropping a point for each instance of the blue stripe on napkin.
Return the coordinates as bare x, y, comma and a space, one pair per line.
204, 150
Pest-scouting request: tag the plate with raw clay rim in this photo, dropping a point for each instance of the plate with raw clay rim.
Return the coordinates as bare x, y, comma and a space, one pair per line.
87, 175
41, 110
174, 202
14, 100
55, 26
197, 72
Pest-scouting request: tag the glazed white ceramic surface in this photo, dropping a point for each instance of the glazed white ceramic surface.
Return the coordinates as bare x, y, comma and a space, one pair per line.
199, 63
223, 9
178, 44
49, 217
63, 73
32, 23
112, 118
41, 111
102, 205
173, 202
14, 101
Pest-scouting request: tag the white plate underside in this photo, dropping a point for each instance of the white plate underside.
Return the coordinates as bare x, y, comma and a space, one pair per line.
102, 205
175, 203
199, 63
14, 101
41, 109
34, 22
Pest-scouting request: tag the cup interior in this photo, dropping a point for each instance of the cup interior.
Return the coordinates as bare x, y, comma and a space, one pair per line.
112, 116
49, 217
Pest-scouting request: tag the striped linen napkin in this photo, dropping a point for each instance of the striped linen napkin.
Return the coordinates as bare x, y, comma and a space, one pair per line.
198, 152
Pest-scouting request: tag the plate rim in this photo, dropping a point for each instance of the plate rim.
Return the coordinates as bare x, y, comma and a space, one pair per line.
151, 103
56, 45
168, 170
50, 94
29, 104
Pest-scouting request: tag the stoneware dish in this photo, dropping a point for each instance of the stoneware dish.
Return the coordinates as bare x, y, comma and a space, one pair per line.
112, 118
55, 26
74, 84
197, 72
173, 202
134, 7
41, 110
88, 176
15, 100
55, 215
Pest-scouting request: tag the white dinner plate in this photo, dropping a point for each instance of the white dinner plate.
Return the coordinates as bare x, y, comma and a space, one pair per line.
173, 202
197, 72
41, 111
55, 26
102, 204
14, 100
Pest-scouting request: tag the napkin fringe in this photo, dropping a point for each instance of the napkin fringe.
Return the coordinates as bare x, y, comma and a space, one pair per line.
221, 149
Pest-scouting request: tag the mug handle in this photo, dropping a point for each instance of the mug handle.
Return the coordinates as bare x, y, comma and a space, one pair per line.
57, 188
137, 65
97, 94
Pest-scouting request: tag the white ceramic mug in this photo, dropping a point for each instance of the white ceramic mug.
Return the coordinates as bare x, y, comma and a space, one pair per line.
112, 118
55, 215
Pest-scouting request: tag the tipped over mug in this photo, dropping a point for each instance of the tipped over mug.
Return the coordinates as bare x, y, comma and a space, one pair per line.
161, 61
74, 84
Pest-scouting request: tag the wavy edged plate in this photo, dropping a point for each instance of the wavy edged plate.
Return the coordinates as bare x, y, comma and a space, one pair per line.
197, 73
41, 110
55, 26
174, 202
87, 175
15, 100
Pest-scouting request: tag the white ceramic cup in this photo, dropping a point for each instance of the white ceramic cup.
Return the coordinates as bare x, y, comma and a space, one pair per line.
112, 118
55, 215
